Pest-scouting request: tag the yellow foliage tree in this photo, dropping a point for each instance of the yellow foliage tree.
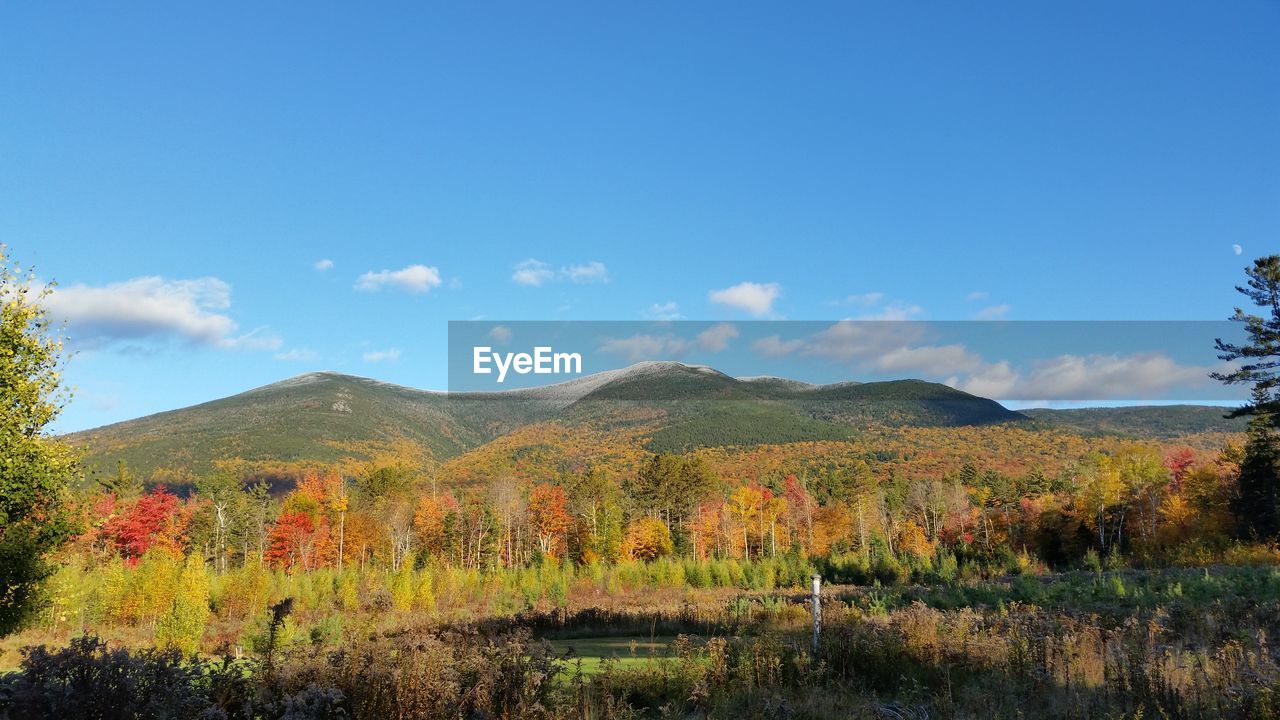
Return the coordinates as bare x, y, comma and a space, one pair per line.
182, 626
646, 539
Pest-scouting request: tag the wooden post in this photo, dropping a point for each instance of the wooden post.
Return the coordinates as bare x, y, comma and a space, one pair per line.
817, 610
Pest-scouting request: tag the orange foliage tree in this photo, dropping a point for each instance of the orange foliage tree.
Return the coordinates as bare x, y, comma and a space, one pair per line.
549, 517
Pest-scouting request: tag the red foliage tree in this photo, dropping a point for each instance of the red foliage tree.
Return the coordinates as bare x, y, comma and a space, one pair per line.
157, 519
1179, 460
292, 541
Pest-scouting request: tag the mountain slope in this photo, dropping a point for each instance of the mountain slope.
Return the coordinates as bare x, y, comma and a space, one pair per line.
693, 406
1141, 421
310, 417
668, 406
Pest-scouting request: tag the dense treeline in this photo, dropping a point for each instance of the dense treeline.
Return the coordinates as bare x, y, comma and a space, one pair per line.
350, 544
1142, 499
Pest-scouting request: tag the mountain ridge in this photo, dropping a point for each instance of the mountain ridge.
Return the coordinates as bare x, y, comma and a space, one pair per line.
323, 416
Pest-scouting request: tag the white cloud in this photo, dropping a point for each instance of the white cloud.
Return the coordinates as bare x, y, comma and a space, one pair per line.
755, 298
592, 272
153, 308
1103, 376
900, 348
929, 359
1084, 377
717, 337
322, 265
644, 347
533, 273
413, 279
1237, 249
993, 380
647, 346
536, 273
993, 312
663, 311
774, 346
500, 334
296, 355
977, 295
887, 346
388, 355
850, 340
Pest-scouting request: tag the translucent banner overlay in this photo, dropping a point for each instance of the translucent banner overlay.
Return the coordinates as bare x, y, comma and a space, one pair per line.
1020, 363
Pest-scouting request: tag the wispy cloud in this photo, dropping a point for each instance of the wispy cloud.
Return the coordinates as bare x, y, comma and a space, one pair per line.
716, 338
894, 311
592, 272
860, 300
774, 346
878, 306
322, 265
536, 273
412, 279
296, 355
663, 311
388, 355
643, 346
500, 334
532, 273
669, 346
993, 312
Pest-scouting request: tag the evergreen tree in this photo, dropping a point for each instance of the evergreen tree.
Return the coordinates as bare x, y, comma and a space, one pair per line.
124, 484
1257, 505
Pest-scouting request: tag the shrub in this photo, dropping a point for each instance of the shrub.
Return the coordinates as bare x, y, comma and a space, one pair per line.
888, 571
87, 679
183, 625
1092, 562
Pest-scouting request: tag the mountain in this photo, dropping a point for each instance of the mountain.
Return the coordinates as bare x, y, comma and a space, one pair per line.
1141, 421
310, 417
325, 416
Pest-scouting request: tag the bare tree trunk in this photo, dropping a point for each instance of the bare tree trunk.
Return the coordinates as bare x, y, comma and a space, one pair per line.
862, 530
342, 528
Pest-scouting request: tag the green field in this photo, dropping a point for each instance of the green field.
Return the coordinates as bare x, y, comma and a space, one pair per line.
588, 655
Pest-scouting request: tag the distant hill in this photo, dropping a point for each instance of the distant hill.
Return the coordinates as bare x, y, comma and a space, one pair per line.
698, 406
323, 416
1141, 421
306, 418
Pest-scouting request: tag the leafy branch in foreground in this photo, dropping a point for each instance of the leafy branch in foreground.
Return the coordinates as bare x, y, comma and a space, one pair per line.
34, 467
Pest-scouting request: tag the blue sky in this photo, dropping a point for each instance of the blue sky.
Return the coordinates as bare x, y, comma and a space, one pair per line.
185, 167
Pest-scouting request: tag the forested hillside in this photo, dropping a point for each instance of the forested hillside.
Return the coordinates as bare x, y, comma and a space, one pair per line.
326, 417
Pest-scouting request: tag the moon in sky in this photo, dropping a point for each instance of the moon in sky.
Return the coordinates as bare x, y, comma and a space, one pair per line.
1237, 249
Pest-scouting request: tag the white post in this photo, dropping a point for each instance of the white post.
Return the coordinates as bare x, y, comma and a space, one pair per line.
817, 610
